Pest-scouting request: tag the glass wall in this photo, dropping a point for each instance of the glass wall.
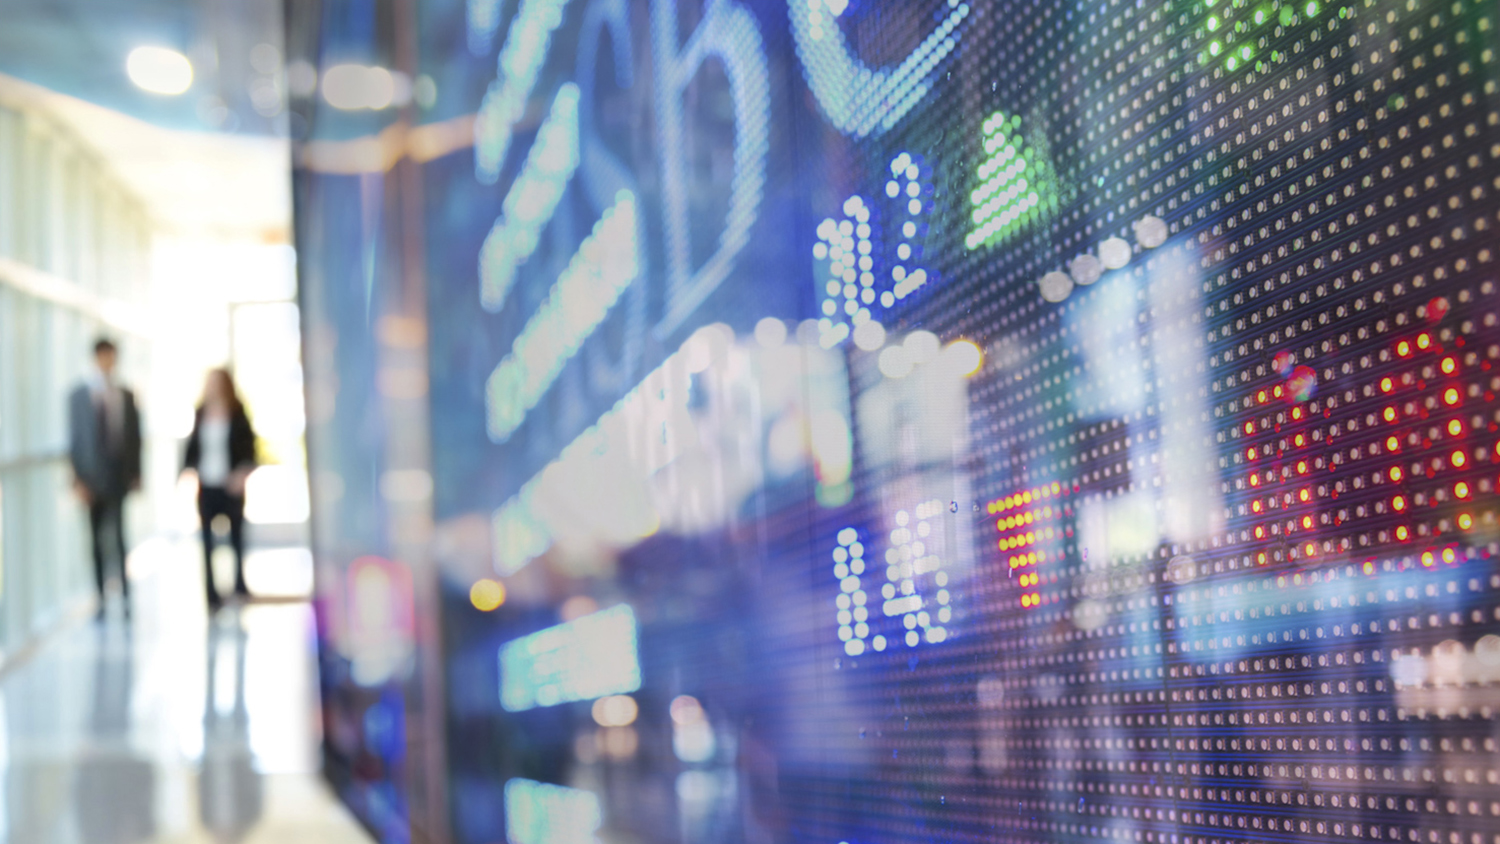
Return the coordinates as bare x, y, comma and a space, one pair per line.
855, 421
73, 265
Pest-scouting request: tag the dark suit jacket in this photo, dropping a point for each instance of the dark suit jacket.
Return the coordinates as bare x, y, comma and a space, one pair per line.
241, 442
106, 474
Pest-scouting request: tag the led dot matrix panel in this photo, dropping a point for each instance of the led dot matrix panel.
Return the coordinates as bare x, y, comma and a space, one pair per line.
987, 421
1238, 428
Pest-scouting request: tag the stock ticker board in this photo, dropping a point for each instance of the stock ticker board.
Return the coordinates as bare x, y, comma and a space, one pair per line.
1028, 422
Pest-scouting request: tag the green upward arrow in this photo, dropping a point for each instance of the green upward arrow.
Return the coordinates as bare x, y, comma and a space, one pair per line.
1017, 182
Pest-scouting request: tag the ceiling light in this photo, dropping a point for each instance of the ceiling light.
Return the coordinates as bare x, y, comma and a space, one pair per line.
352, 86
159, 70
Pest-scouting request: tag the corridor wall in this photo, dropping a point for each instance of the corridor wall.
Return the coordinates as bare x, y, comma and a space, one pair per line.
74, 250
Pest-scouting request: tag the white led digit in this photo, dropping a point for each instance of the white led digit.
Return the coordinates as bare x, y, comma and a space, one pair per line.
856, 99
911, 565
853, 616
542, 813
729, 33
483, 20
852, 268
532, 200
583, 659
526, 45
599, 272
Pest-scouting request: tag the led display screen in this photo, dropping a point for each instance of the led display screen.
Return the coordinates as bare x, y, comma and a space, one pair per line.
851, 422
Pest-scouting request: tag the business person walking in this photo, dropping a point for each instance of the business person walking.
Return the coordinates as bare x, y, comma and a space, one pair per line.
221, 450
104, 446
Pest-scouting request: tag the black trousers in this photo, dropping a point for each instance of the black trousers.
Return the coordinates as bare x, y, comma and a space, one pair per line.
214, 502
107, 524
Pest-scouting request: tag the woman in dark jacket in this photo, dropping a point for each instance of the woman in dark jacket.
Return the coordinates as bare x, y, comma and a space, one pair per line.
221, 450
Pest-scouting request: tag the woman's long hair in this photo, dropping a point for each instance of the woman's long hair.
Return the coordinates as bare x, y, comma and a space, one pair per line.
227, 391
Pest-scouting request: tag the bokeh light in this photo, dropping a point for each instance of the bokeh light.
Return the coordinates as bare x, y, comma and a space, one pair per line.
487, 595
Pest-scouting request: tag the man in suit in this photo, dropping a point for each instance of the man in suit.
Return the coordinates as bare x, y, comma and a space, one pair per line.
104, 446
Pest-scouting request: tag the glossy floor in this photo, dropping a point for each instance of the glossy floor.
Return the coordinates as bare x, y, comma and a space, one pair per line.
169, 727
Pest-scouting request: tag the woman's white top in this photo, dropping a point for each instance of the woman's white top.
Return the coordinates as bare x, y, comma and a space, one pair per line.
213, 452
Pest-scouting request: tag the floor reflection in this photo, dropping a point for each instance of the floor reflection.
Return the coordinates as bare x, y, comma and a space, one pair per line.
170, 726
230, 795
115, 788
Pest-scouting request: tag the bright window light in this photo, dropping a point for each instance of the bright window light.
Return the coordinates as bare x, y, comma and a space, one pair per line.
159, 70
276, 495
